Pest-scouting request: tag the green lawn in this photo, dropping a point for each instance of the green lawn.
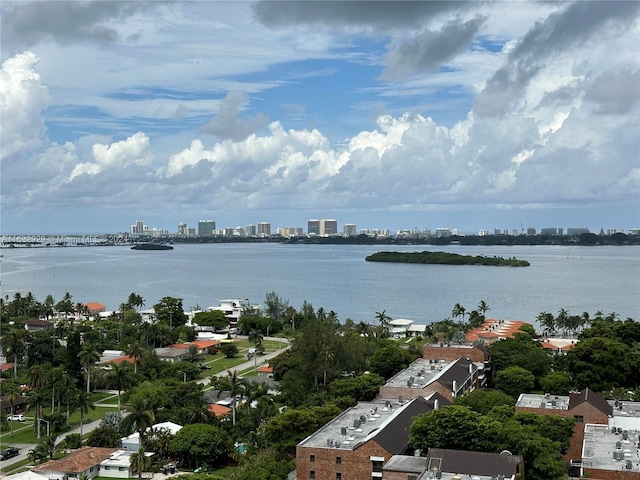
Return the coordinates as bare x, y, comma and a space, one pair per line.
24, 432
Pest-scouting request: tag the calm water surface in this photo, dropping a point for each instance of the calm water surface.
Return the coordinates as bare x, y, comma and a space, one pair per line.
336, 277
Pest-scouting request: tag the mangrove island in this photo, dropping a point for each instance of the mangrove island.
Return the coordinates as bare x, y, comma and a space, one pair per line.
443, 258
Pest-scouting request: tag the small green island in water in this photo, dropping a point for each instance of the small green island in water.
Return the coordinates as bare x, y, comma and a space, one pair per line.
443, 258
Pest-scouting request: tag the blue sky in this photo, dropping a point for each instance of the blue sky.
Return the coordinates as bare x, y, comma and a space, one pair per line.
467, 115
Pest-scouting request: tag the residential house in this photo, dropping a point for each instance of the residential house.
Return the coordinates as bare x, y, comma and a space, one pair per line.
95, 308
84, 462
36, 324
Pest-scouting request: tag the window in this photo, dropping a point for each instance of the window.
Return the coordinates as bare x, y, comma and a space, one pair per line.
338, 476
578, 418
338, 460
412, 477
376, 466
312, 458
312, 474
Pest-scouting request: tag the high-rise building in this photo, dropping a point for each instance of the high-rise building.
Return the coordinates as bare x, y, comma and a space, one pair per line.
206, 228
264, 229
349, 230
313, 227
182, 228
328, 227
251, 231
290, 231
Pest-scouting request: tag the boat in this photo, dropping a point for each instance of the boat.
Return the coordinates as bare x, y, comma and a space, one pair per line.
151, 246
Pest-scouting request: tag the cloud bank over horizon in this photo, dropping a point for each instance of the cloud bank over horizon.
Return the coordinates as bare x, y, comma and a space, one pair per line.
370, 111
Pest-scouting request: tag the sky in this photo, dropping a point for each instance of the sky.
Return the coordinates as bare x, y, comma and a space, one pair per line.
390, 115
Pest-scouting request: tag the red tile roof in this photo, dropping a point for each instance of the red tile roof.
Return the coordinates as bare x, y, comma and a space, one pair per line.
492, 330
265, 369
95, 307
218, 410
200, 344
77, 462
6, 366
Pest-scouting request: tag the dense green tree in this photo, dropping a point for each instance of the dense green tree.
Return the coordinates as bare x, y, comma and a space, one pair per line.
275, 306
211, 318
169, 311
521, 351
14, 343
200, 444
361, 388
283, 432
515, 380
388, 359
483, 400
556, 383
229, 350
104, 436
601, 364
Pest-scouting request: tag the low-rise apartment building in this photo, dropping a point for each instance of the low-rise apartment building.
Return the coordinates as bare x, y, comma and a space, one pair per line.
361, 440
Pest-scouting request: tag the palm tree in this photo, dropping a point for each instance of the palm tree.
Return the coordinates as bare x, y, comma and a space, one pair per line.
83, 403
383, 318
37, 399
49, 302
255, 337
14, 344
11, 392
55, 379
547, 322
135, 350
483, 308
139, 463
140, 416
458, 310
37, 376
234, 385
119, 375
135, 301
88, 358
69, 391
562, 320
192, 356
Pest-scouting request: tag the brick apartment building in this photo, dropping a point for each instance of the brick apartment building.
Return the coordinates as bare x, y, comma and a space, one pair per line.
424, 377
357, 443
585, 407
443, 351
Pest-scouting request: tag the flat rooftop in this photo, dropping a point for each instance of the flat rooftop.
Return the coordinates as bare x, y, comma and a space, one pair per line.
625, 409
419, 374
605, 450
352, 427
457, 476
552, 402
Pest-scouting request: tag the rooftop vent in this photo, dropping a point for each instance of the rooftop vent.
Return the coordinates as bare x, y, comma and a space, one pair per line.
343, 431
618, 454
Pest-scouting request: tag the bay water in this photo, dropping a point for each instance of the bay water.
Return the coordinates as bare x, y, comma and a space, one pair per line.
335, 277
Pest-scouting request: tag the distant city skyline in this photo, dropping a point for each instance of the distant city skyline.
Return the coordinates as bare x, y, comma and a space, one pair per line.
385, 114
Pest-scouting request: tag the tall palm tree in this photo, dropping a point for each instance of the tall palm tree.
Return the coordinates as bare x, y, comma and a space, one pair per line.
119, 375
547, 323
140, 416
135, 350
38, 375
255, 337
139, 463
37, 399
83, 403
14, 344
88, 358
55, 380
11, 392
68, 390
483, 308
234, 385
384, 319
135, 301
458, 311
562, 320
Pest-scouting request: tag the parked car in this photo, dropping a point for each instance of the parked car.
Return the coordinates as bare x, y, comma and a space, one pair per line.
9, 453
16, 418
204, 366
